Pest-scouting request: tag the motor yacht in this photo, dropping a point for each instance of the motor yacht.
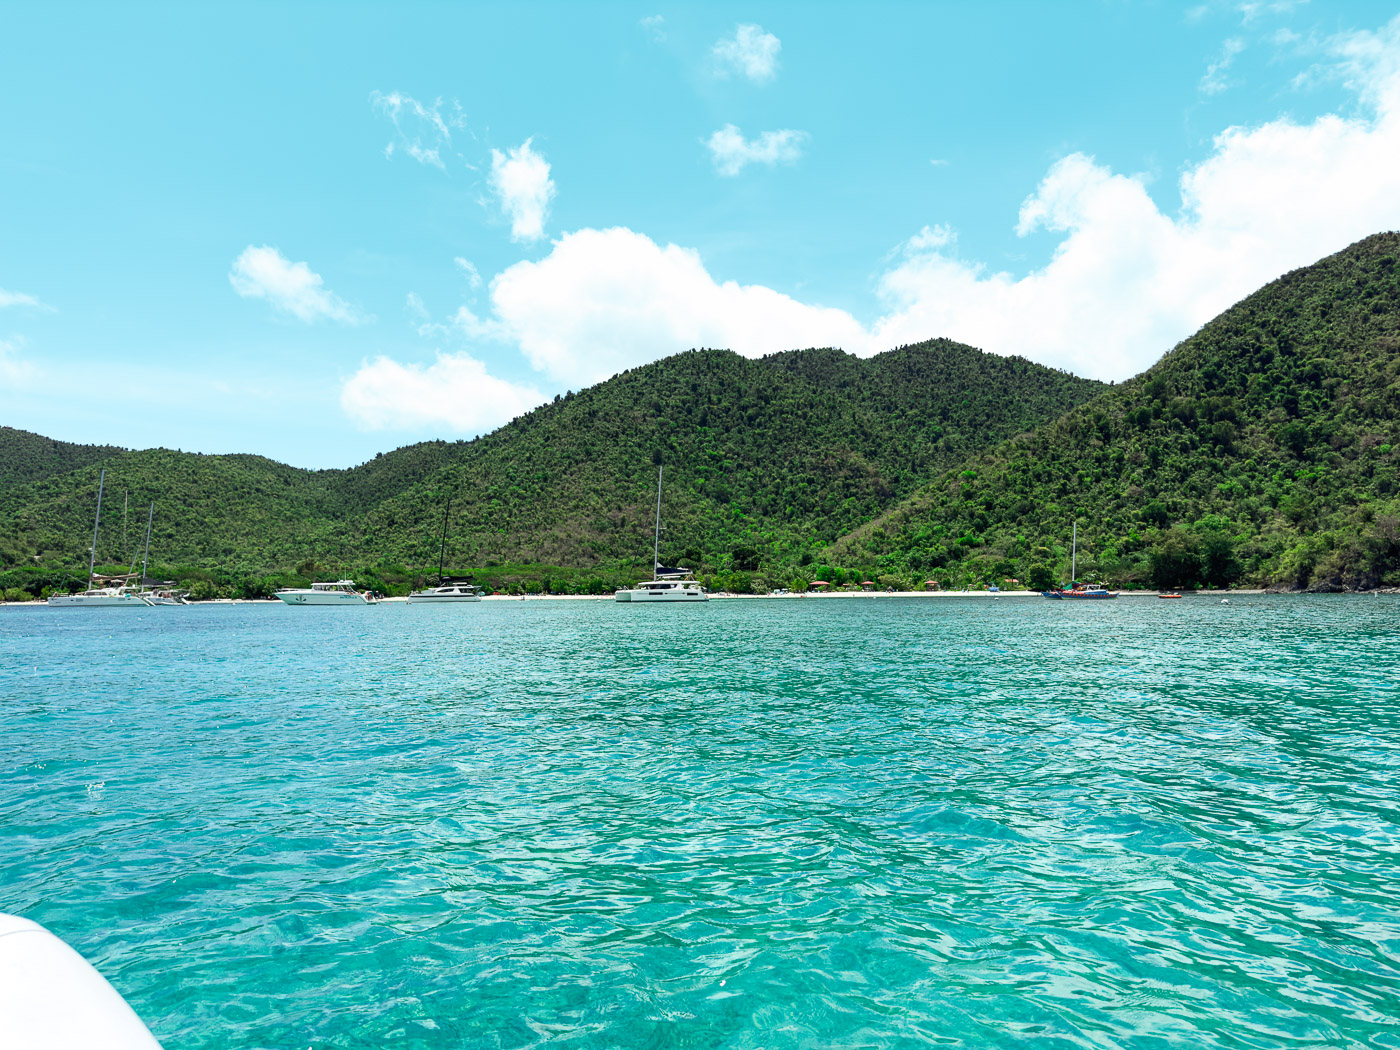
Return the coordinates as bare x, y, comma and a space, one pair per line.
341, 592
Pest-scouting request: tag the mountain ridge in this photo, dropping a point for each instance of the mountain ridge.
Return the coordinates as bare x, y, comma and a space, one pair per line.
1263, 447
771, 454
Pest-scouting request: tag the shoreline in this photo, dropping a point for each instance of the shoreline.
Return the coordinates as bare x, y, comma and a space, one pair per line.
813, 595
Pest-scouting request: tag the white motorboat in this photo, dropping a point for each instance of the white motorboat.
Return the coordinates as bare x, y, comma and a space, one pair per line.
342, 592
670, 584
103, 592
164, 596
449, 590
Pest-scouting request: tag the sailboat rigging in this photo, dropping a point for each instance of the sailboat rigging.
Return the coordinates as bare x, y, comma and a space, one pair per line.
670, 584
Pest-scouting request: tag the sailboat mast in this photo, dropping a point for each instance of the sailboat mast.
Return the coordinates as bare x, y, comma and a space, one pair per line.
1074, 556
442, 550
656, 543
92, 559
145, 559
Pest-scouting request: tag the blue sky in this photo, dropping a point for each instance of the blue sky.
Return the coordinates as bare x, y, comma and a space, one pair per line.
320, 232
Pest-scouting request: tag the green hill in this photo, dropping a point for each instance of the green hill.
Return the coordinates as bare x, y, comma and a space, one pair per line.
767, 461
26, 457
1264, 449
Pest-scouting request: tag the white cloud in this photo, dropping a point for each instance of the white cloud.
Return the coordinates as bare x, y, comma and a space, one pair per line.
264, 273
1369, 63
472, 274
1252, 9
1127, 279
930, 237
14, 371
731, 152
21, 299
1215, 81
605, 300
655, 26
421, 130
751, 52
521, 182
454, 393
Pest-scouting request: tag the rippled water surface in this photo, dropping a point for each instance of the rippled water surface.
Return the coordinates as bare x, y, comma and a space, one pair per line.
864, 823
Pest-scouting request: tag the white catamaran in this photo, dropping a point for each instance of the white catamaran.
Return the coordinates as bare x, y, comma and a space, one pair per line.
671, 584
115, 592
448, 588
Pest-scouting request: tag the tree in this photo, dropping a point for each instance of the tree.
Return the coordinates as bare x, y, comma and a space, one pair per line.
1175, 560
1040, 578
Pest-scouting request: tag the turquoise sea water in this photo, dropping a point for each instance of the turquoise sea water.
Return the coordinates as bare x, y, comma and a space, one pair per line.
863, 823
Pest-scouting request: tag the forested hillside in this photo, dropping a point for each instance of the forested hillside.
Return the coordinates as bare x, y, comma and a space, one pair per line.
767, 461
1265, 448
26, 457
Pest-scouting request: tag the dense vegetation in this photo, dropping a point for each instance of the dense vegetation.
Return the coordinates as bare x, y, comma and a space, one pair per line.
30, 457
767, 462
1265, 448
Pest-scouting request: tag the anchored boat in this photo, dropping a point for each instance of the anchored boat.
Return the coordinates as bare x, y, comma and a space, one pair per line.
342, 592
670, 584
1076, 591
103, 592
448, 588
157, 592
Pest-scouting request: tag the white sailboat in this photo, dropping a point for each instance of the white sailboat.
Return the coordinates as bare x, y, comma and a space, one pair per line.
448, 588
115, 591
670, 584
154, 591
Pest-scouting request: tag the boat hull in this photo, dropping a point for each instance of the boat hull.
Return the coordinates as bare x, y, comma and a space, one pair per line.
672, 597
416, 599
322, 598
98, 601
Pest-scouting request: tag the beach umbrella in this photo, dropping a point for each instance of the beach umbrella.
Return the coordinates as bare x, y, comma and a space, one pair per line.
820, 583
867, 583
930, 583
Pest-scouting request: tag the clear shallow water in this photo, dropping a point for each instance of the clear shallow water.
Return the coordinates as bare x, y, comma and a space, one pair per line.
859, 823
